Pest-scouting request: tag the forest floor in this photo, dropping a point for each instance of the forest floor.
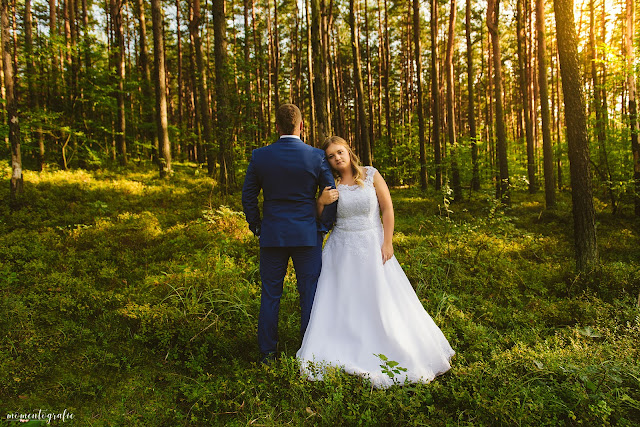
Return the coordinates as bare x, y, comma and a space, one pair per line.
127, 300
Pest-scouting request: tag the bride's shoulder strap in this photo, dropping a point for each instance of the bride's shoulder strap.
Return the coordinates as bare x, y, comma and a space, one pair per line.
370, 171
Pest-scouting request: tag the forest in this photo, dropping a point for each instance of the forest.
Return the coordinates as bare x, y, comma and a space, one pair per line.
507, 132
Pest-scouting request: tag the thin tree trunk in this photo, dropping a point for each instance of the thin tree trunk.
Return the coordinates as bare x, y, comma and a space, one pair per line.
54, 100
225, 153
119, 59
451, 117
16, 182
369, 75
180, 88
633, 111
147, 91
34, 99
276, 57
475, 179
435, 94
576, 121
387, 83
524, 96
312, 104
320, 86
161, 89
202, 89
363, 128
249, 116
547, 144
502, 187
424, 177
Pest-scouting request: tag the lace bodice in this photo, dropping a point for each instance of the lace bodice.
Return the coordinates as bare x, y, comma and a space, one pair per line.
358, 208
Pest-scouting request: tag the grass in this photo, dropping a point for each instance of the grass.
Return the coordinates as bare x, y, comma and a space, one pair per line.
129, 300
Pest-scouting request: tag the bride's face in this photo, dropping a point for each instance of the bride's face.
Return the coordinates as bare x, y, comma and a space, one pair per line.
338, 157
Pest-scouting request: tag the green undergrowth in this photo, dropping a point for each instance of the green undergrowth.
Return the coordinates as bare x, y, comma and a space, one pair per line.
129, 300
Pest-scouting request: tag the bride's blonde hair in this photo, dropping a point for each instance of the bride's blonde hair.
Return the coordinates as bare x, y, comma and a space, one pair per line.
356, 167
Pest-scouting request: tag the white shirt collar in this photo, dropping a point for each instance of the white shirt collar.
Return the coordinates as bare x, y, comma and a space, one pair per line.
290, 136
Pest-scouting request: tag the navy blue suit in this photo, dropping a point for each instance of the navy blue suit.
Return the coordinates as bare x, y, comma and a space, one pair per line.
289, 173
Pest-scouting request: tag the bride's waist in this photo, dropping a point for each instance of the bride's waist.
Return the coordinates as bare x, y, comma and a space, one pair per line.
351, 225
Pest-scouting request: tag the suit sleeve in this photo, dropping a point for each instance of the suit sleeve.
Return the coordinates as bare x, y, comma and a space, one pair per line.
250, 191
328, 217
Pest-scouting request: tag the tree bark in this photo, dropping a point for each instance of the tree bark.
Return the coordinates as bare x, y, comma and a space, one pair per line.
502, 187
34, 98
424, 177
387, 83
54, 100
451, 116
363, 125
276, 57
311, 131
435, 94
225, 153
115, 7
475, 177
202, 89
162, 126
547, 144
16, 182
633, 110
147, 91
320, 84
524, 96
576, 122
180, 88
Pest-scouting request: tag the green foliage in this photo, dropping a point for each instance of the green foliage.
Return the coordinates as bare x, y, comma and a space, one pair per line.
390, 368
130, 300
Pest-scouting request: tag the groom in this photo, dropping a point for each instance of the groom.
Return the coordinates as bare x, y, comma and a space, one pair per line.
289, 173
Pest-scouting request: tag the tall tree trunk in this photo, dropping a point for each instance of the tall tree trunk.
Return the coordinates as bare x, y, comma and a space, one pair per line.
34, 98
311, 131
435, 94
16, 182
276, 57
119, 59
424, 177
370, 96
249, 116
225, 153
502, 187
387, 84
633, 110
524, 84
160, 77
451, 117
54, 95
180, 88
547, 144
147, 91
576, 121
475, 178
363, 128
257, 43
202, 89
320, 83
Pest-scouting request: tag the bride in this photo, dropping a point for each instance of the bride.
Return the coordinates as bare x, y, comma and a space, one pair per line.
364, 305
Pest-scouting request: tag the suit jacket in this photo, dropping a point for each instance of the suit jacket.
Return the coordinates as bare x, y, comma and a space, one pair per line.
289, 173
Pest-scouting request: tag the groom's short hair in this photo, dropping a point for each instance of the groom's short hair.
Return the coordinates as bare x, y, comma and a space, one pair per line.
288, 118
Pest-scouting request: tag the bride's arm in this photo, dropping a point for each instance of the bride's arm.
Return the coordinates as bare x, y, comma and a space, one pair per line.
388, 218
327, 197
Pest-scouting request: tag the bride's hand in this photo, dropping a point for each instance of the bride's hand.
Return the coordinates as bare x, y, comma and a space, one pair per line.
387, 252
328, 196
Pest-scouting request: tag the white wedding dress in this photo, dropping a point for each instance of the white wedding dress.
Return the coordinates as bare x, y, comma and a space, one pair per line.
363, 307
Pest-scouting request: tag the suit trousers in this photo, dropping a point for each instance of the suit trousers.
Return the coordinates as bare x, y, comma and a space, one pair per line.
307, 262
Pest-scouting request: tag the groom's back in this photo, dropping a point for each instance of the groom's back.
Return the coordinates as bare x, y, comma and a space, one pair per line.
289, 173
